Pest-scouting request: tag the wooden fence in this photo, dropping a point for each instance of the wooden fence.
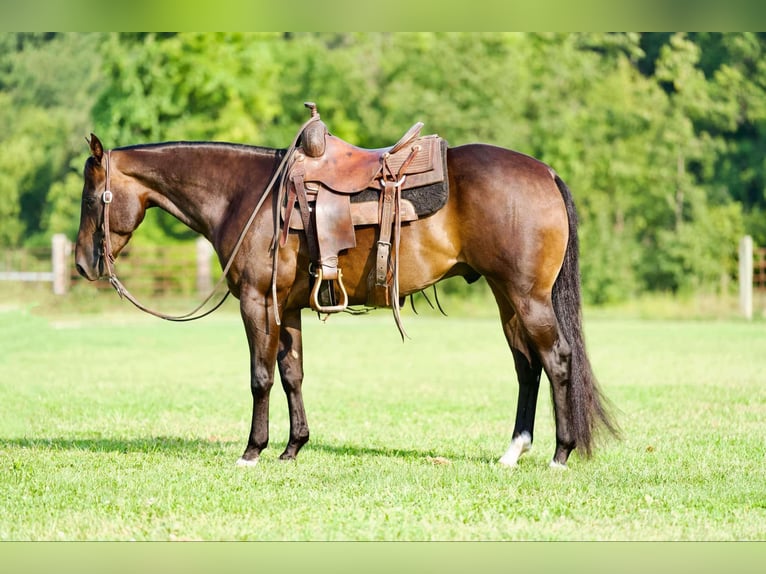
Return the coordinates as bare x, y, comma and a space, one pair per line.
190, 268
759, 269
179, 269
752, 274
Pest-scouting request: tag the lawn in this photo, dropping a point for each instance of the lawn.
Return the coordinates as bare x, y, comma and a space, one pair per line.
118, 426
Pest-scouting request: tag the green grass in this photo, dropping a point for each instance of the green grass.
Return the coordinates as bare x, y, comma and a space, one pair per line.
118, 426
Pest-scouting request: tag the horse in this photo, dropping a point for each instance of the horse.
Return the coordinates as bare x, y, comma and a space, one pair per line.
509, 218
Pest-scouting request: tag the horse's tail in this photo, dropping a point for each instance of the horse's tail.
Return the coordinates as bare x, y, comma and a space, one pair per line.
588, 407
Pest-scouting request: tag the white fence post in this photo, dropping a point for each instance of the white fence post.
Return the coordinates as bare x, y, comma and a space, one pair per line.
746, 276
204, 266
61, 249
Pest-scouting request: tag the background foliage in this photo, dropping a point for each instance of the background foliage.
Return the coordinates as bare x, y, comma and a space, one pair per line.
660, 135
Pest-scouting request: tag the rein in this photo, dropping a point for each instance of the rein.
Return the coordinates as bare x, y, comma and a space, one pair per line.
108, 258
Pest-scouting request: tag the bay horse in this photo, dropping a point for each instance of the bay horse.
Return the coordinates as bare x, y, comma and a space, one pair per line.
509, 218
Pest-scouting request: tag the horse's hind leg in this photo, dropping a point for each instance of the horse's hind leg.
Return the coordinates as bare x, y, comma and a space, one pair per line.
535, 330
290, 363
542, 328
528, 372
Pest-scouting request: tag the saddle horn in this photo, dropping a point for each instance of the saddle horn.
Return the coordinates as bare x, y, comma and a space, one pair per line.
313, 138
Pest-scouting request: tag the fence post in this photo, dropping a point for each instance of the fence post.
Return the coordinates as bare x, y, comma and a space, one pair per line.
746, 276
61, 249
204, 266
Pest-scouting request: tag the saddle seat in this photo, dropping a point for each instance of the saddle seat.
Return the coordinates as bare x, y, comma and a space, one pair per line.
346, 168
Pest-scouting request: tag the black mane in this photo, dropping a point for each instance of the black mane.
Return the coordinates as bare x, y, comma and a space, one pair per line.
259, 150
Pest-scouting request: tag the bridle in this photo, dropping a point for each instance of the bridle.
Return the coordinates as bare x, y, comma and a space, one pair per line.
107, 256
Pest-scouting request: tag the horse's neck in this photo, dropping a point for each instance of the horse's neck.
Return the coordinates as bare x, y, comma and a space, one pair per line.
197, 183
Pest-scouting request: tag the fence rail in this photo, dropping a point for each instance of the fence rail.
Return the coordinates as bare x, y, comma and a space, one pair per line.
180, 269
189, 268
27, 276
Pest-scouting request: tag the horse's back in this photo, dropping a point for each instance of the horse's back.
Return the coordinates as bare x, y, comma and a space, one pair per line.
492, 168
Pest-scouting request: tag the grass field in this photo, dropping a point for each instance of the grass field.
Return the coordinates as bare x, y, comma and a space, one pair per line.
117, 426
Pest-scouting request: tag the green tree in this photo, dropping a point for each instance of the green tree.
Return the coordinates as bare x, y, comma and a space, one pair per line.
46, 93
698, 250
660, 136
731, 110
194, 86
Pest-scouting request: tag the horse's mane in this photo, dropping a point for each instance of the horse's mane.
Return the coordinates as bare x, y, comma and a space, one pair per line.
258, 150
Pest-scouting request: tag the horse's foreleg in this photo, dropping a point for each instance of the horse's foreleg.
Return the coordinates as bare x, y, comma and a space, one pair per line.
290, 363
263, 339
528, 372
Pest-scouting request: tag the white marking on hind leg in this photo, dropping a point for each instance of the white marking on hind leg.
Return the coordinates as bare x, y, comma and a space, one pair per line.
243, 463
558, 465
519, 446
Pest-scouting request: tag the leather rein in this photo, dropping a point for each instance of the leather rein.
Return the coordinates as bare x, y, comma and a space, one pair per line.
107, 257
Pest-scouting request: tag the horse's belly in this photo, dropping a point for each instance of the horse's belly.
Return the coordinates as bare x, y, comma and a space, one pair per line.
427, 252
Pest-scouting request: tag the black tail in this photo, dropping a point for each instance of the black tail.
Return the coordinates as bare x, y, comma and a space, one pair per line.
588, 407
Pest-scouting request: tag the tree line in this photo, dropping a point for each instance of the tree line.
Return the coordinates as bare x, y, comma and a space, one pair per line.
659, 135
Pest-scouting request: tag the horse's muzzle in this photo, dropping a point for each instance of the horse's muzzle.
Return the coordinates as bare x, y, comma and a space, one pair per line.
86, 270
81, 271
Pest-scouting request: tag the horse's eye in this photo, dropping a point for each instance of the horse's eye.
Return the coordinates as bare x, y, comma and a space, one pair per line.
90, 201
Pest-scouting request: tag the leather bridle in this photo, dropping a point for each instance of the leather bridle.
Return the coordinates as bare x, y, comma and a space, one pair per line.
107, 256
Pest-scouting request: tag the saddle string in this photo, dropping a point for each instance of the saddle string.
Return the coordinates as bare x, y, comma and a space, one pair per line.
428, 300
108, 257
398, 181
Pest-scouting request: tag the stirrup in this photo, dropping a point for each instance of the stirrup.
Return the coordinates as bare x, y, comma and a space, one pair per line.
314, 299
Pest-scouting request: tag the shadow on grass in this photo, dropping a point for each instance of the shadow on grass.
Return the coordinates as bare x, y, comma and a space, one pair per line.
176, 446
160, 444
398, 453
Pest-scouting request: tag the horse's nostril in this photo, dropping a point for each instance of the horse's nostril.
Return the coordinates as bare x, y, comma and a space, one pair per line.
81, 271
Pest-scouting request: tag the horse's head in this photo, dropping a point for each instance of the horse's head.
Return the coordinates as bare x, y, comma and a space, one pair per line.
111, 210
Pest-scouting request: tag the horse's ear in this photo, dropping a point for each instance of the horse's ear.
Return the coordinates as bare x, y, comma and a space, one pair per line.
96, 149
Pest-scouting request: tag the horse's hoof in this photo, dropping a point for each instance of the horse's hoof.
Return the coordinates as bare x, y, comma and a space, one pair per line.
519, 445
558, 465
244, 462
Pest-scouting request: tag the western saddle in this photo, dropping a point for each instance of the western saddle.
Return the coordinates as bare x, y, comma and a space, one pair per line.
325, 180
